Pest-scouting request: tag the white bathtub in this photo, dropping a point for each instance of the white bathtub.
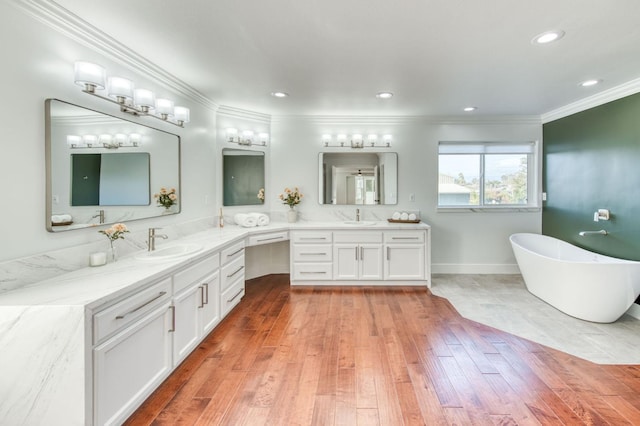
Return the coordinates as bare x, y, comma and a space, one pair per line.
578, 282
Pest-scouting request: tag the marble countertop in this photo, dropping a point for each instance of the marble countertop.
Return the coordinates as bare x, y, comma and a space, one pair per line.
94, 286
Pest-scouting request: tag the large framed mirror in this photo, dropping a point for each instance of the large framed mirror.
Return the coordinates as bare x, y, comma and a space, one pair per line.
358, 178
103, 169
242, 177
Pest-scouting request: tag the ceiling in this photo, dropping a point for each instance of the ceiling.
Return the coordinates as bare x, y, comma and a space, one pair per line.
333, 56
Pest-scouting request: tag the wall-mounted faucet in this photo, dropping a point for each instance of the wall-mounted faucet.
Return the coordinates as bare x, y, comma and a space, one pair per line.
99, 215
151, 242
601, 214
600, 232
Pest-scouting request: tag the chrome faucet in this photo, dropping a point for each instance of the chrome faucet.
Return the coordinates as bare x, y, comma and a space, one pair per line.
100, 215
151, 242
357, 215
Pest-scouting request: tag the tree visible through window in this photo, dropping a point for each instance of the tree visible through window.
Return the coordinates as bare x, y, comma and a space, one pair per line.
485, 174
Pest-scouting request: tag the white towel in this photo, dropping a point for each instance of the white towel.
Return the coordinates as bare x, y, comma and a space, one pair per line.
66, 217
412, 216
261, 218
404, 216
245, 220
56, 218
395, 216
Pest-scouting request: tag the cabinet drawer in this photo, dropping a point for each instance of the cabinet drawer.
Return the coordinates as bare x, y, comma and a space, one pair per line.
268, 238
231, 272
231, 296
311, 237
231, 253
357, 237
120, 315
404, 237
193, 273
312, 252
312, 271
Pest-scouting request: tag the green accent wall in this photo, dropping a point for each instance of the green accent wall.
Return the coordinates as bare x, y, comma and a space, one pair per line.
592, 161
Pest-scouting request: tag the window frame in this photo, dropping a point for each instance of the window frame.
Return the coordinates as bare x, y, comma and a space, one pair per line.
482, 149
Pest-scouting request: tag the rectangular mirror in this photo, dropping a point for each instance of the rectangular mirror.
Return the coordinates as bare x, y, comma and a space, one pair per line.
104, 169
358, 178
243, 177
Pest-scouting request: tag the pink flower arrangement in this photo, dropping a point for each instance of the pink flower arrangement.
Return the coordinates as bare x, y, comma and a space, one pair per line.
290, 197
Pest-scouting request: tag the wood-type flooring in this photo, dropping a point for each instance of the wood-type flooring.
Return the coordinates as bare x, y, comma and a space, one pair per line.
379, 356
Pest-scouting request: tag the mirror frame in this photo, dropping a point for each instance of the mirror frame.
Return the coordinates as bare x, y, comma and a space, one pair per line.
49, 169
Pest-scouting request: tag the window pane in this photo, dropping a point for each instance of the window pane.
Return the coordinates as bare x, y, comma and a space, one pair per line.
505, 179
458, 180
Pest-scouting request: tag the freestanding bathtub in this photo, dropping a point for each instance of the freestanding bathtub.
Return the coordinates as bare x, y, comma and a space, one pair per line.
578, 282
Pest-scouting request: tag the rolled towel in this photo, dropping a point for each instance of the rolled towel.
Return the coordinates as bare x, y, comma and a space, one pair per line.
261, 218
245, 220
56, 218
395, 216
412, 216
404, 216
66, 217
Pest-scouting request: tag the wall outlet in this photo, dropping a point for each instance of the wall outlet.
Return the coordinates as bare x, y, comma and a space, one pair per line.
544, 196
412, 197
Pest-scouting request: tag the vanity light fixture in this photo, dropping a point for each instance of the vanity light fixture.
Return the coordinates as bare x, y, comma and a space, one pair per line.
121, 91
247, 137
356, 141
119, 140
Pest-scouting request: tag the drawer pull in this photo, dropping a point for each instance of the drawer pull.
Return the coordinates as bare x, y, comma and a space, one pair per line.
361, 252
235, 252
206, 293
238, 270
313, 238
405, 238
271, 238
136, 309
237, 294
173, 319
201, 297
312, 272
313, 254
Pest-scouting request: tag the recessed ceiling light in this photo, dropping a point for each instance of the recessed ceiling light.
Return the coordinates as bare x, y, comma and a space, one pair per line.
548, 37
589, 83
384, 95
279, 94
470, 108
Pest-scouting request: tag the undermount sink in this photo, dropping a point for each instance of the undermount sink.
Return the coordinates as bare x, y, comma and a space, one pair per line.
359, 222
170, 252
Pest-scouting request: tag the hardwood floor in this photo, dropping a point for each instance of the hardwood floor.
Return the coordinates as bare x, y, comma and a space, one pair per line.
380, 355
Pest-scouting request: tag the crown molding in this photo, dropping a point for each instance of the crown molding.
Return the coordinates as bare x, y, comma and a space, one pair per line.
630, 88
232, 112
401, 120
74, 27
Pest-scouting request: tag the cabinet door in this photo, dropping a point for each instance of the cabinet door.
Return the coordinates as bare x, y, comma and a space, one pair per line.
210, 310
187, 328
345, 257
404, 262
370, 264
130, 365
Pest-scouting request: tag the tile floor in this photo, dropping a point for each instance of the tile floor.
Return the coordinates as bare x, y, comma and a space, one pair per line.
502, 302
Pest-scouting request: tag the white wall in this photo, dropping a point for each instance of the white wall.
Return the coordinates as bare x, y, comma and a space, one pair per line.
38, 64
461, 242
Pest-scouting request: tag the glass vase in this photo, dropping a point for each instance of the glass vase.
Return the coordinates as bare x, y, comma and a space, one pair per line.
112, 254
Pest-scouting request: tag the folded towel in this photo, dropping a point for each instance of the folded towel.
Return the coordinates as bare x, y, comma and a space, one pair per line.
395, 216
412, 216
261, 218
404, 216
245, 220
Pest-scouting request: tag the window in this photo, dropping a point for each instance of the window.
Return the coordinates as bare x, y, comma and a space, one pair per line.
486, 174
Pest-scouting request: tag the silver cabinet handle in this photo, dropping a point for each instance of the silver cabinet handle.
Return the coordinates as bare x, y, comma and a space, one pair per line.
271, 238
136, 309
356, 252
239, 269
237, 294
387, 253
405, 238
361, 252
201, 297
313, 238
206, 293
312, 272
313, 254
235, 252
173, 319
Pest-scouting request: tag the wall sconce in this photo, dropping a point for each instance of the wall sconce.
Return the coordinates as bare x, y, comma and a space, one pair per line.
357, 141
120, 91
247, 138
119, 140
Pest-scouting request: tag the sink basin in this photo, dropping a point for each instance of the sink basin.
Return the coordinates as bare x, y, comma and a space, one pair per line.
359, 222
170, 252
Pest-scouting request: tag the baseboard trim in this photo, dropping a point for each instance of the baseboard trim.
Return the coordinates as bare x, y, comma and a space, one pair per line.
455, 268
634, 311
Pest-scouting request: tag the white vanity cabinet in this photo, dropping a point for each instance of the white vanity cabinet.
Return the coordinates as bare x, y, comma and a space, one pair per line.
311, 255
231, 277
357, 255
405, 255
132, 352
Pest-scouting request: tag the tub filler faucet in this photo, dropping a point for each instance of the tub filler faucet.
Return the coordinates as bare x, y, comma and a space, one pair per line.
600, 232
